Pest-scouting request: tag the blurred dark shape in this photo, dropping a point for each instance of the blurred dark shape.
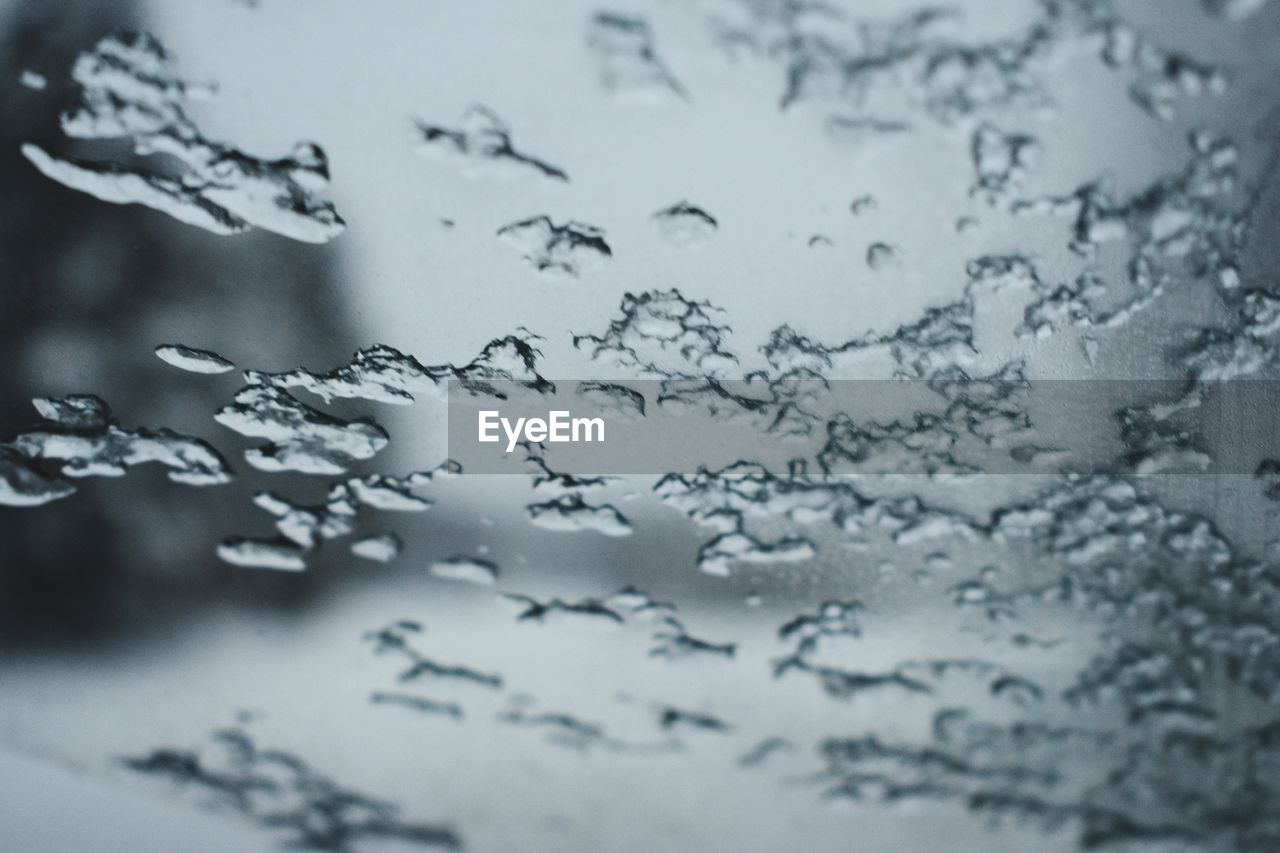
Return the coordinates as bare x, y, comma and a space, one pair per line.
93, 287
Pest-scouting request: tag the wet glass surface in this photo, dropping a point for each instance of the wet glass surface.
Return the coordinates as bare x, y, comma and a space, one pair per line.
253, 248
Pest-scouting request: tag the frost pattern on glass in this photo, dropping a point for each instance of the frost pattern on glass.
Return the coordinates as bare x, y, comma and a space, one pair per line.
1093, 657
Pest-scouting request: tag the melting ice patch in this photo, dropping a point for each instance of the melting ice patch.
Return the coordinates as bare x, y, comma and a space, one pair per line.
571, 513
128, 90
382, 491
193, 360
22, 483
421, 704
300, 438
571, 731
278, 554
628, 65
83, 439
587, 612
482, 146
1165, 76
301, 529
384, 374
396, 640
306, 526
380, 547
281, 791
566, 251
1001, 161
33, 80
472, 570
1249, 345
881, 256
673, 642
683, 224
663, 334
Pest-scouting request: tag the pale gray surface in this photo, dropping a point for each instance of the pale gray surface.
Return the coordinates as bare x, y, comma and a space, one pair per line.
129, 634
